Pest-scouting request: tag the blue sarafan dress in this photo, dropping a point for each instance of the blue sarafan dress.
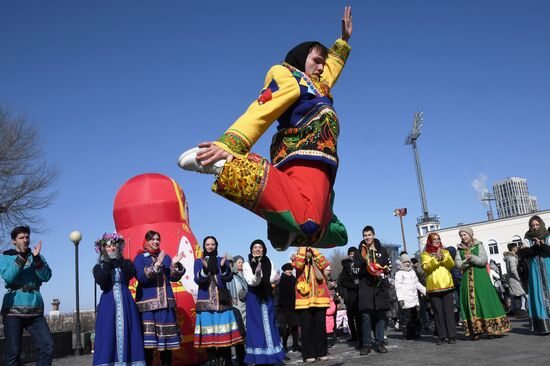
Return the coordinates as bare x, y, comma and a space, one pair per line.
263, 343
118, 339
156, 302
216, 325
539, 285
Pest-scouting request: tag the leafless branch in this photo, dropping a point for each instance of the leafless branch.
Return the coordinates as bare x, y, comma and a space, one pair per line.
26, 179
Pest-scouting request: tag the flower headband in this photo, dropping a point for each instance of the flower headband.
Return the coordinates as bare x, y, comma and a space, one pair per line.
107, 238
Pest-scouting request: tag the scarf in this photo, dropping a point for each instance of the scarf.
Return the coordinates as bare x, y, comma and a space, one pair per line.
263, 290
432, 249
366, 252
211, 259
297, 56
541, 233
149, 249
310, 263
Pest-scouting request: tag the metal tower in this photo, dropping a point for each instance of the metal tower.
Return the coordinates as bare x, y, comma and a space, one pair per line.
425, 223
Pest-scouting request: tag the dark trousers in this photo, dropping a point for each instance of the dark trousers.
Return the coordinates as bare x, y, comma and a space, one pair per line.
444, 317
285, 332
40, 332
219, 356
409, 322
370, 318
354, 324
314, 332
240, 352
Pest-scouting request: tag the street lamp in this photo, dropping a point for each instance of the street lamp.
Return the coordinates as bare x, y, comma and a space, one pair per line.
75, 237
401, 212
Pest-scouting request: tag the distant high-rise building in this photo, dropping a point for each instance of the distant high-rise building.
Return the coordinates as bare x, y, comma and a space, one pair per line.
512, 198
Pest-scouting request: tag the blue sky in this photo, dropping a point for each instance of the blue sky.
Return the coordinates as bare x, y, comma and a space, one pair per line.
121, 88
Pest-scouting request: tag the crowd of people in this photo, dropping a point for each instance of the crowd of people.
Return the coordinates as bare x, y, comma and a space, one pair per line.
256, 307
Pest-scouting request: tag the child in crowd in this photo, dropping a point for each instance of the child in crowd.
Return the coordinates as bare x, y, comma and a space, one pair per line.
407, 287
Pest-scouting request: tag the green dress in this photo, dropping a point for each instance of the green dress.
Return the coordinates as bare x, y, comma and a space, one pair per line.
480, 307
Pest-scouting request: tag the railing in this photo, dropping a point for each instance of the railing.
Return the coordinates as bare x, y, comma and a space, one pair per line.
428, 218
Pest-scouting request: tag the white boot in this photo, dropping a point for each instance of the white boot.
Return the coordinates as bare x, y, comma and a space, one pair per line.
188, 161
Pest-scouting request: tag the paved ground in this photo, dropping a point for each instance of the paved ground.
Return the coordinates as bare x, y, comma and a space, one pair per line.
518, 348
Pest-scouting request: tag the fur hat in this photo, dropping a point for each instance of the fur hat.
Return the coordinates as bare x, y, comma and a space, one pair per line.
352, 250
287, 267
405, 258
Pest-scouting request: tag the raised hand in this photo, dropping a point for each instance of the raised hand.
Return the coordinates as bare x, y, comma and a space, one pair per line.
204, 264
160, 258
210, 153
36, 250
178, 257
347, 26
224, 259
258, 268
277, 277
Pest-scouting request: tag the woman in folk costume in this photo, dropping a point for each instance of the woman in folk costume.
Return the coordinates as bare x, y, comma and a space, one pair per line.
297, 94
539, 274
263, 344
216, 327
480, 307
155, 298
312, 301
119, 339
437, 263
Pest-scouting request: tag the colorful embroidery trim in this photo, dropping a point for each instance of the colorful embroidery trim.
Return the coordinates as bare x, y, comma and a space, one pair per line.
319, 89
315, 138
235, 143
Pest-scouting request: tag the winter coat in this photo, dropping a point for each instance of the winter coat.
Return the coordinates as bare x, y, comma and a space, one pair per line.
210, 285
310, 291
479, 260
238, 289
329, 317
154, 291
438, 275
23, 274
348, 283
407, 287
286, 293
514, 281
373, 290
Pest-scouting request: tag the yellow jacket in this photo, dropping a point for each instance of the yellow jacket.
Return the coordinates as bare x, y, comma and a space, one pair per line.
310, 291
438, 275
240, 137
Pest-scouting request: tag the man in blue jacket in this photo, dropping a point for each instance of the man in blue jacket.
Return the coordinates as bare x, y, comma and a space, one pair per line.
23, 272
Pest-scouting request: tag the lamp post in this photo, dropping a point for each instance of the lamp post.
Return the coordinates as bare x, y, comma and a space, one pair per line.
401, 212
75, 237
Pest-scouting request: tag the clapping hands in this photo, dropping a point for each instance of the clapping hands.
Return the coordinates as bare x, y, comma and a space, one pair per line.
178, 257
160, 258
36, 250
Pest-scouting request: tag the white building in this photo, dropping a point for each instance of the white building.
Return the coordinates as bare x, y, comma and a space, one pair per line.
512, 197
495, 234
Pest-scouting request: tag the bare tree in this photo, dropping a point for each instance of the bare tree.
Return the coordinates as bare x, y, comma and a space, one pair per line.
26, 179
335, 258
